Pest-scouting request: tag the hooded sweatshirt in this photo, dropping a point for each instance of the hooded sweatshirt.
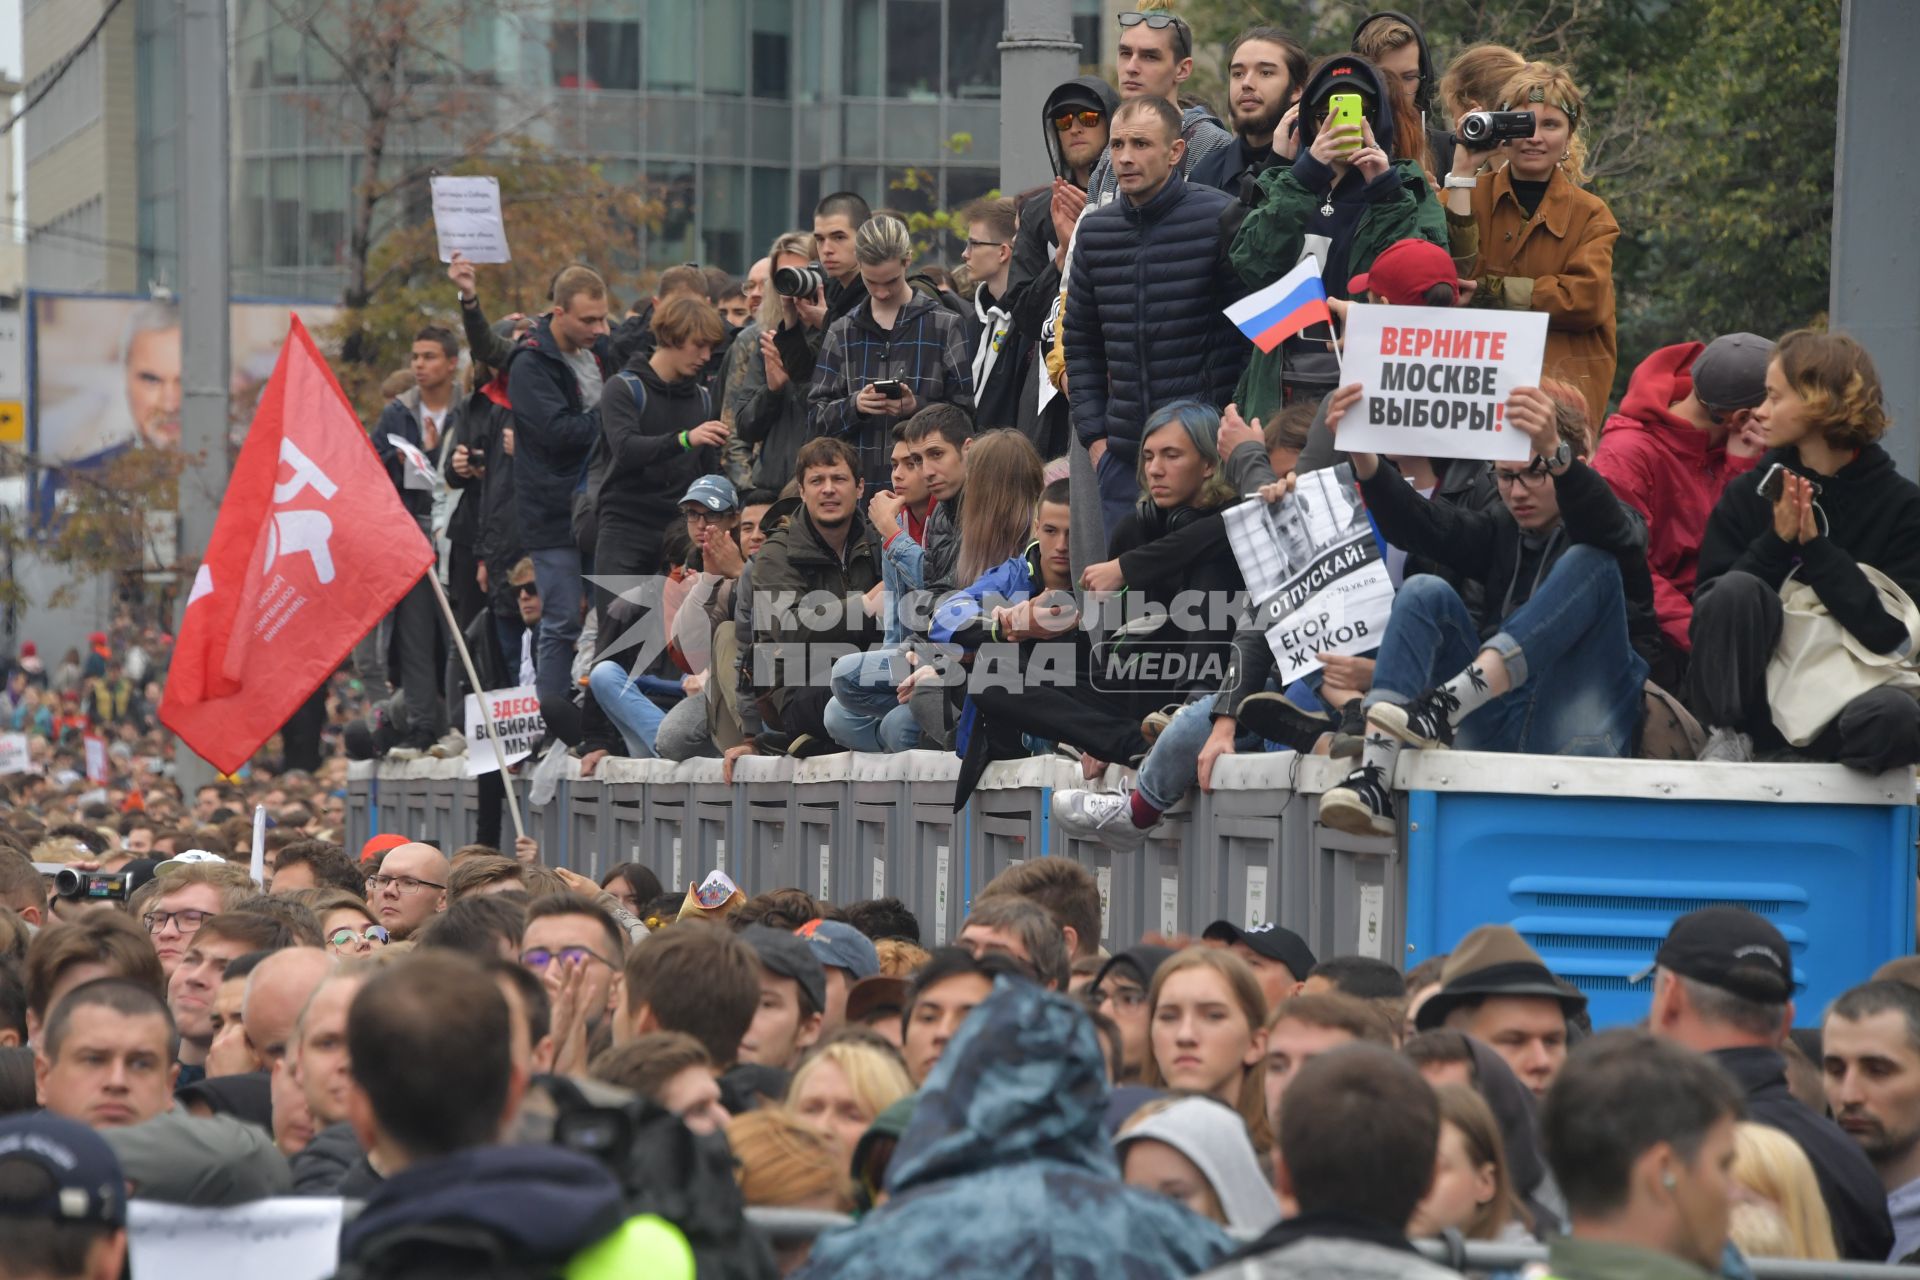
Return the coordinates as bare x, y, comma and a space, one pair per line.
1034, 281
1867, 514
1005, 1170
1214, 1137
1301, 209
1672, 473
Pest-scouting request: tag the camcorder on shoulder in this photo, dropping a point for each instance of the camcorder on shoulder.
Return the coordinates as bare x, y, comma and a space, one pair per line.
799, 282
1485, 130
87, 886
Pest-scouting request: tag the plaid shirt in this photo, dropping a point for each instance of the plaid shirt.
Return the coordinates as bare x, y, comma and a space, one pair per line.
927, 350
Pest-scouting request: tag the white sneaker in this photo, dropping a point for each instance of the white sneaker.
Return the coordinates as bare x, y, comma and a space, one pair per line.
1727, 746
454, 744
1106, 816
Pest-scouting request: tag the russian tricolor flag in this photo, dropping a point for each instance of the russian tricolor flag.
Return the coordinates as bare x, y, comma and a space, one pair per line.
1283, 308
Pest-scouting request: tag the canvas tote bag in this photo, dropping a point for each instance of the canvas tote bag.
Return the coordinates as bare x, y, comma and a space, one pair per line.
1820, 666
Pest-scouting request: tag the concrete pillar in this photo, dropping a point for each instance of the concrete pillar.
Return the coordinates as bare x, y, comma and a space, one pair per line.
1875, 286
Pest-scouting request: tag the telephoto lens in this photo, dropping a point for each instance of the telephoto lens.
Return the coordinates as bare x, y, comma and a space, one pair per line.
799, 282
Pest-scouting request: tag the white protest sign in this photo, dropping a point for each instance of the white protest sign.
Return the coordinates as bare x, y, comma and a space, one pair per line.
418, 473
96, 749
286, 1238
516, 714
1435, 380
466, 218
1313, 571
15, 755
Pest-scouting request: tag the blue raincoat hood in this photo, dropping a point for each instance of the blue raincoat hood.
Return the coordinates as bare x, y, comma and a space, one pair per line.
1006, 1169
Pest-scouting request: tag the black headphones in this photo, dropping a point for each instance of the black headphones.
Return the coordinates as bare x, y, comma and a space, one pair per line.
1423, 96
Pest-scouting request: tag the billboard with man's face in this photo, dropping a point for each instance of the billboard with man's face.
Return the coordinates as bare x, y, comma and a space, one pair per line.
106, 371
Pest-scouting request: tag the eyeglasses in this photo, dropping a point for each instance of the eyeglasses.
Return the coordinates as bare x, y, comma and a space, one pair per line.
407, 885
528, 589
1531, 478
187, 920
541, 957
372, 933
1122, 997
1065, 121
698, 516
986, 244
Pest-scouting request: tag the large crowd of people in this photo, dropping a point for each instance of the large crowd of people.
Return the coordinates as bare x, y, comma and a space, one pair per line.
852, 500
510, 1069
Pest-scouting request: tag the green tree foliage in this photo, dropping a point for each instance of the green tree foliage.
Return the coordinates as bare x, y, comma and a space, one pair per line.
1710, 126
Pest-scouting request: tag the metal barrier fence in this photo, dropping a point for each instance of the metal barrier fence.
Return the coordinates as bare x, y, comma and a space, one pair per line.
1461, 1255
1590, 859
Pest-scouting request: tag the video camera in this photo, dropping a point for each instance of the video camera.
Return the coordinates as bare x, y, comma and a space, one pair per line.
87, 886
807, 281
1485, 130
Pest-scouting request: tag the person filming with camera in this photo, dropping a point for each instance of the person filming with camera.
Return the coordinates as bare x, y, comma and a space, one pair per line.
1545, 242
767, 406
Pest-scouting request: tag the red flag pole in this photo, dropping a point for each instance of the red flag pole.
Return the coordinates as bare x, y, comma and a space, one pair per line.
480, 696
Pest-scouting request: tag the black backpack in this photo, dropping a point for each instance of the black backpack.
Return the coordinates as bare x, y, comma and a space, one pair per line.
667, 1170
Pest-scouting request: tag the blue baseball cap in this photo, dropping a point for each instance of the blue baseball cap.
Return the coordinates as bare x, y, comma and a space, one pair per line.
837, 945
715, 493
88, 1185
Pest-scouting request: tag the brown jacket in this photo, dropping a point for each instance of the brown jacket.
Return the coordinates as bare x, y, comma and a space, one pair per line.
1559, 261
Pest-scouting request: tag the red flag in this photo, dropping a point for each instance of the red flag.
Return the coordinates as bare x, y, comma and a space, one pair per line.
312, 547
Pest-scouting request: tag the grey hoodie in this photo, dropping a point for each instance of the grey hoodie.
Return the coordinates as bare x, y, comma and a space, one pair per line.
1214, 1137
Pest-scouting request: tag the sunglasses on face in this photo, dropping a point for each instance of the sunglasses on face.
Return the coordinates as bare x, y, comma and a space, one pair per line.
528, 589
1066, 120
343, 936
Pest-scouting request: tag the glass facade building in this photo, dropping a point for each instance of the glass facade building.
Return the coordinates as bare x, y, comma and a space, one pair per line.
736, 114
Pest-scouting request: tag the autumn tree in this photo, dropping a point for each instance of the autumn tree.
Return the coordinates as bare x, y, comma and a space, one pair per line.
558, 210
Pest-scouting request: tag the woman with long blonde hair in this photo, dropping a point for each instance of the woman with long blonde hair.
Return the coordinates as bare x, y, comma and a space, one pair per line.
1546, 242
1772, 1170
1207, 1023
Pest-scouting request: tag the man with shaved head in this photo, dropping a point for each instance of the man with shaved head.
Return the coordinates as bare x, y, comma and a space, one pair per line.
277, 991
409, 889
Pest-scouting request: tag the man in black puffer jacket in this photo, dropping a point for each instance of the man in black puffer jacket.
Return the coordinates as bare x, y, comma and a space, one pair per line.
1144, 322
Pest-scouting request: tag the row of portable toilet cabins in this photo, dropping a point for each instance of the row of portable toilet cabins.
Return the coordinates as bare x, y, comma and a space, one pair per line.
1590, 859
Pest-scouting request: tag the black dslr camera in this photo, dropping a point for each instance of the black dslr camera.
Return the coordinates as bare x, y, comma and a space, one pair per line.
807, 281
1485, 130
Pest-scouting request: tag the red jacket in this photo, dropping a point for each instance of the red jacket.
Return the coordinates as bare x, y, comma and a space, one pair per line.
1669, 471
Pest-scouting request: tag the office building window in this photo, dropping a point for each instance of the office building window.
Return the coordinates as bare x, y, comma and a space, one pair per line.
723, 218
1088, 31
673, 186
913, 49
328, 210
672, 43
772, 49
596, 52
860, 51
974, 28
723, 49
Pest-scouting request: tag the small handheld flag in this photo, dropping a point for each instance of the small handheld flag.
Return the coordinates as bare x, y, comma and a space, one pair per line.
1284, 308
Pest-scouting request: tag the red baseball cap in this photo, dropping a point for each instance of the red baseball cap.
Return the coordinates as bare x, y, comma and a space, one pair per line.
379, 845
1405, 271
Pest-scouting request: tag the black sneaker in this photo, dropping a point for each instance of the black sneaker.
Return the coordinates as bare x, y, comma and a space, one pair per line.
1362, 805
1351, 737
1277, 718
1428, 723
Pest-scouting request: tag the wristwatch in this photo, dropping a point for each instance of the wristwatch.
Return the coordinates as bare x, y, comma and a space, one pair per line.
1560, 459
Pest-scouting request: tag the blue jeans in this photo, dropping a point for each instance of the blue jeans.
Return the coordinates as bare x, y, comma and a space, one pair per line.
632, 712
1577, 682
556, 570
1119, 488
1172, 766
866, 713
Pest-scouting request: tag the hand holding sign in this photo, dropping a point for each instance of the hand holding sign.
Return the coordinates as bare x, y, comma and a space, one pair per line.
1435, 381
1530, 410
1364, 464
467, 219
